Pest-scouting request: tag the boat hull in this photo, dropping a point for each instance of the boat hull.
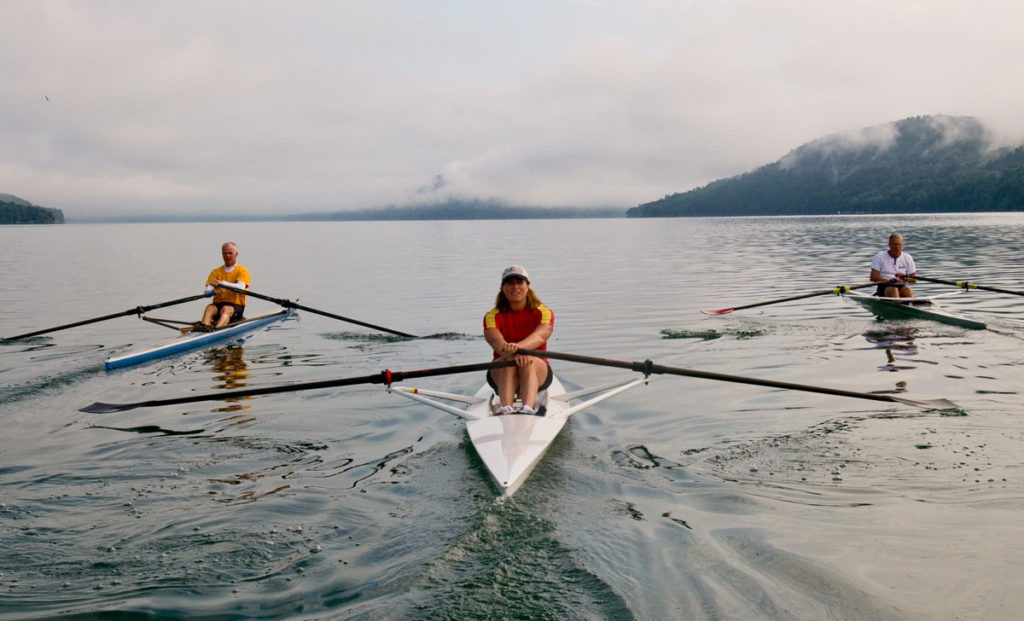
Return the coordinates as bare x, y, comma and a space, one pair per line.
194, 340
912, 308
512, 445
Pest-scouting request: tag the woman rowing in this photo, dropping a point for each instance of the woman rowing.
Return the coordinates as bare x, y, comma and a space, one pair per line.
518, 320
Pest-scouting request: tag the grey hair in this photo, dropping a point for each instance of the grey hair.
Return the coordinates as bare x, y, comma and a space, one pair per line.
893, 236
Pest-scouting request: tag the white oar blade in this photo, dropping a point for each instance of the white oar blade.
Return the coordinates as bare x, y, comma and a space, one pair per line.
928, 404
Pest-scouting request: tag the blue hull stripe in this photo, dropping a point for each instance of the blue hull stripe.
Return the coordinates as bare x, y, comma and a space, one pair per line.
193, 341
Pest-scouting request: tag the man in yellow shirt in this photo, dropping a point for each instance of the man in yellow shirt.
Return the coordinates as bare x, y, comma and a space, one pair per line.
227, 306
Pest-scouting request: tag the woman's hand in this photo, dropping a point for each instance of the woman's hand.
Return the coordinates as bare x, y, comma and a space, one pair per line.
508, 351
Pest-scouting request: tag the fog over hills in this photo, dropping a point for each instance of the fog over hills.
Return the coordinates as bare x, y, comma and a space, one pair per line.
921, 164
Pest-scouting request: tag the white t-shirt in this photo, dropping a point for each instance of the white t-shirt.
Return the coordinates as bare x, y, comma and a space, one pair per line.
888, 266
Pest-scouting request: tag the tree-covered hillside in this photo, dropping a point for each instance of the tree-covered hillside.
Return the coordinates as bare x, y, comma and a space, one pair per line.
14, 210
917, 165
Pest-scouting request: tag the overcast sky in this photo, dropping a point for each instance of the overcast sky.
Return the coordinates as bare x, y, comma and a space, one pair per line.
132, 107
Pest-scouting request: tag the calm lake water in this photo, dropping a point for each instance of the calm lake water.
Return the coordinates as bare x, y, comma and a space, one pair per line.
683, 499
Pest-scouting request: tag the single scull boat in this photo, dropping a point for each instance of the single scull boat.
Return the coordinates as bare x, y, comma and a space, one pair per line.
192, 340
913, 308
510, 446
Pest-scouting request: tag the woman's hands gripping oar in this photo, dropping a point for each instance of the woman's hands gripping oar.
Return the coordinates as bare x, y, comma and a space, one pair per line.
963, 284
138, 310
290, 304
836, 290
384, 377
647, 368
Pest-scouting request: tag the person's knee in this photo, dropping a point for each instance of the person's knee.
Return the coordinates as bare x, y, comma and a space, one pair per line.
529, 368
501, 375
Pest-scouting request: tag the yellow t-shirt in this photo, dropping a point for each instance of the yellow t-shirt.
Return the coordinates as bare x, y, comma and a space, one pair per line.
237, 275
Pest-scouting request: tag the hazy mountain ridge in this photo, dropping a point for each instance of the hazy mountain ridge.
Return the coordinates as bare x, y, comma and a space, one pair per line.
16, 210
917, 165
462, 209
922, 164
455, 209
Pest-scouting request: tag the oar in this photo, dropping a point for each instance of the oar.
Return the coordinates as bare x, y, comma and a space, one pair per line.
384, 377
138, 310
837, 290
290, 304
647, 368
963, 284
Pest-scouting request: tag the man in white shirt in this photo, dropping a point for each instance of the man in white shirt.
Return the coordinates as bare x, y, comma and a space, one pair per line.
894, 269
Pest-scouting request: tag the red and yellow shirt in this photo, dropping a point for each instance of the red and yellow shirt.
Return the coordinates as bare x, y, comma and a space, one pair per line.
516, 325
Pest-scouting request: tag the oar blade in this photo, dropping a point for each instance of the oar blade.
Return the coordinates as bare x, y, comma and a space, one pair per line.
927, 404
721, 311
100, 407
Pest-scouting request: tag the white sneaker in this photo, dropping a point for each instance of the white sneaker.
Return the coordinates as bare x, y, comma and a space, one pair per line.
527, 410
505, 409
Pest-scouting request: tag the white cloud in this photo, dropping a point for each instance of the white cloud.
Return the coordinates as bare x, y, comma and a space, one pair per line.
261, 107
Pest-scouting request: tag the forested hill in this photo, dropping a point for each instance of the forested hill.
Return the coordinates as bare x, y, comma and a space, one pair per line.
14, 210
918, 165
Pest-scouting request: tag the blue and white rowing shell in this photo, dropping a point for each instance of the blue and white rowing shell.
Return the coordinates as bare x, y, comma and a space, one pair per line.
194, 340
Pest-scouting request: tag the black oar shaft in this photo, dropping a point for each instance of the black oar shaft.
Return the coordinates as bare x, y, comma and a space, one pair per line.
963, 284
648, 368
836, 290
138, 310
289, 304
384, 377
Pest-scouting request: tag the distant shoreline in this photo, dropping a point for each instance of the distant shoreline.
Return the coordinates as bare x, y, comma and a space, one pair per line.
250, 218
227, 219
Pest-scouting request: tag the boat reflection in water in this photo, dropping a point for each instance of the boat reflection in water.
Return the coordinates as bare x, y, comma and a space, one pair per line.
232, 373
896, 341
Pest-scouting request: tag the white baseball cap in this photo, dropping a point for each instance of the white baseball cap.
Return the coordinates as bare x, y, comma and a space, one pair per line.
515, 271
